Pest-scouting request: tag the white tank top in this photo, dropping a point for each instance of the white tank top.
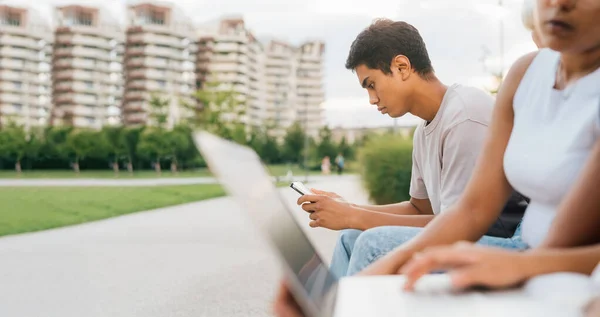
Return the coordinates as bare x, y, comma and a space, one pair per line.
552, 137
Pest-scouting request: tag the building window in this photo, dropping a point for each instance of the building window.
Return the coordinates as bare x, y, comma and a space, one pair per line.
17, 84
17, 106
161, 83
78, 17
149, 16
88, 84
13, 19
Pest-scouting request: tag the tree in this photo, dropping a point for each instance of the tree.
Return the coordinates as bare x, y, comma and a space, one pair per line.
219, 111
55, 145
178, 143
154, 145
266, 146
293, 144
83, 143
326, 147
131, 137
346, 149
115, 140
13, 144
159, 110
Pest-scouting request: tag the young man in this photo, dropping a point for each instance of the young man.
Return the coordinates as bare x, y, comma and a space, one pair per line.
392, 64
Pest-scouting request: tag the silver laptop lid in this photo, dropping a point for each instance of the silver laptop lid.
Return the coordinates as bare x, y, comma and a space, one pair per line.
240, 171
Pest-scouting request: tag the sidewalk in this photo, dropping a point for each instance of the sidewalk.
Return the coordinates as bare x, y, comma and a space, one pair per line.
143, 182
199, 259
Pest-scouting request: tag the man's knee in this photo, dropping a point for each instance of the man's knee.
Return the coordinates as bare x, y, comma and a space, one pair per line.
348, 238
375, 243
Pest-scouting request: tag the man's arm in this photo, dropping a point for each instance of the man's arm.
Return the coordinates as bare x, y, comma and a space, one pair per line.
412, 207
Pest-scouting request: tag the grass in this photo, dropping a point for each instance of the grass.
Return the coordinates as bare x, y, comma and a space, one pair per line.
276, 170
26, 209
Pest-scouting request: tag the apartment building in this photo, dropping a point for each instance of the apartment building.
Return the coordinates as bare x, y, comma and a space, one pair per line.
310, 93
230, 55
278, 83
87, 59
294, 79
160, 57
25, 52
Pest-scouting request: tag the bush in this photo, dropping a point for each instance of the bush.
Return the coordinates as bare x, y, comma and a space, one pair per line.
385, 167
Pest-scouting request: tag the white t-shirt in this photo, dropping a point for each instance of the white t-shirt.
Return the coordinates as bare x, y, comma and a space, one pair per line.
446, 149
552, 137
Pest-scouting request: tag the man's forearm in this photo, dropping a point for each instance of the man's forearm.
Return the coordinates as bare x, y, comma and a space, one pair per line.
403, 208
368, 219
544, 261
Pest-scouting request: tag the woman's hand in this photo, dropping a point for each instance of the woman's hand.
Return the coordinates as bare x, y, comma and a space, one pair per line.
328, 212
469, 265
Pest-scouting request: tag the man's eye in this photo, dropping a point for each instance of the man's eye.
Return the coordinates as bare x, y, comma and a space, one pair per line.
371, 86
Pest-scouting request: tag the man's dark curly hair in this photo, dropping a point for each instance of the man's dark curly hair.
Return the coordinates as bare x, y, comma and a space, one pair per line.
383, 40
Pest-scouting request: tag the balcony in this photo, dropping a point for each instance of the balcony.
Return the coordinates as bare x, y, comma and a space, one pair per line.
132, 107
30, 43
63, 99
135, 118
231, 47
6, 97
83, 111
11, 64
135, 51
86, 99
135, 62
135, 96
79, 39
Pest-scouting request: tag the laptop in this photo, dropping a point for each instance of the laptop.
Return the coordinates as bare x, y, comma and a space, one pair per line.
316, 289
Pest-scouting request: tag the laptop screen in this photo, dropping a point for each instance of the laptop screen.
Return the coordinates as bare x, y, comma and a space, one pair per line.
241, 172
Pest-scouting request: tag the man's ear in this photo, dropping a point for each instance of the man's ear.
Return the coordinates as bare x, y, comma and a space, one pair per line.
401, 64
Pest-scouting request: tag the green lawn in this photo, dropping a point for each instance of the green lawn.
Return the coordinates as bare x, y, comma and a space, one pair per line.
276, 170
25, 209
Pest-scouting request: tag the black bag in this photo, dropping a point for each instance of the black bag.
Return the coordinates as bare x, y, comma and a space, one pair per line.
511, 216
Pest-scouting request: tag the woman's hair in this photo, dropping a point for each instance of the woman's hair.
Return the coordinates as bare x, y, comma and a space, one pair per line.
527, 14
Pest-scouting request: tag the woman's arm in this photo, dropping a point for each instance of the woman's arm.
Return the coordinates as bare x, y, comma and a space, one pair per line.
577, 221
485, 195
472, 265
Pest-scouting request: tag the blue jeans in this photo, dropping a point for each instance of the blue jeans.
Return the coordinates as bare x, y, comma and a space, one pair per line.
356, 249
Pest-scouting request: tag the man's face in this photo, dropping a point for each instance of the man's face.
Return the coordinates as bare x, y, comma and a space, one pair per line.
569, 25
390, 93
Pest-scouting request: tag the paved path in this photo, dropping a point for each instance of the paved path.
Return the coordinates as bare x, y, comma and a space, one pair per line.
141, 182
199, 259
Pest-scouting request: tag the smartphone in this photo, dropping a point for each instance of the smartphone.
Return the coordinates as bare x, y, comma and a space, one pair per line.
300, 188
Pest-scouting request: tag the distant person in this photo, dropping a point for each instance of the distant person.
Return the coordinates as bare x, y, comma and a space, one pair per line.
339, 162
326, 165
392, 64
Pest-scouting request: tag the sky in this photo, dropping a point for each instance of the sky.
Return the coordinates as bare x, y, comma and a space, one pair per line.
457, 33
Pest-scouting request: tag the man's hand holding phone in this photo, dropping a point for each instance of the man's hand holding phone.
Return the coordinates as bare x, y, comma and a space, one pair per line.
327, 210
